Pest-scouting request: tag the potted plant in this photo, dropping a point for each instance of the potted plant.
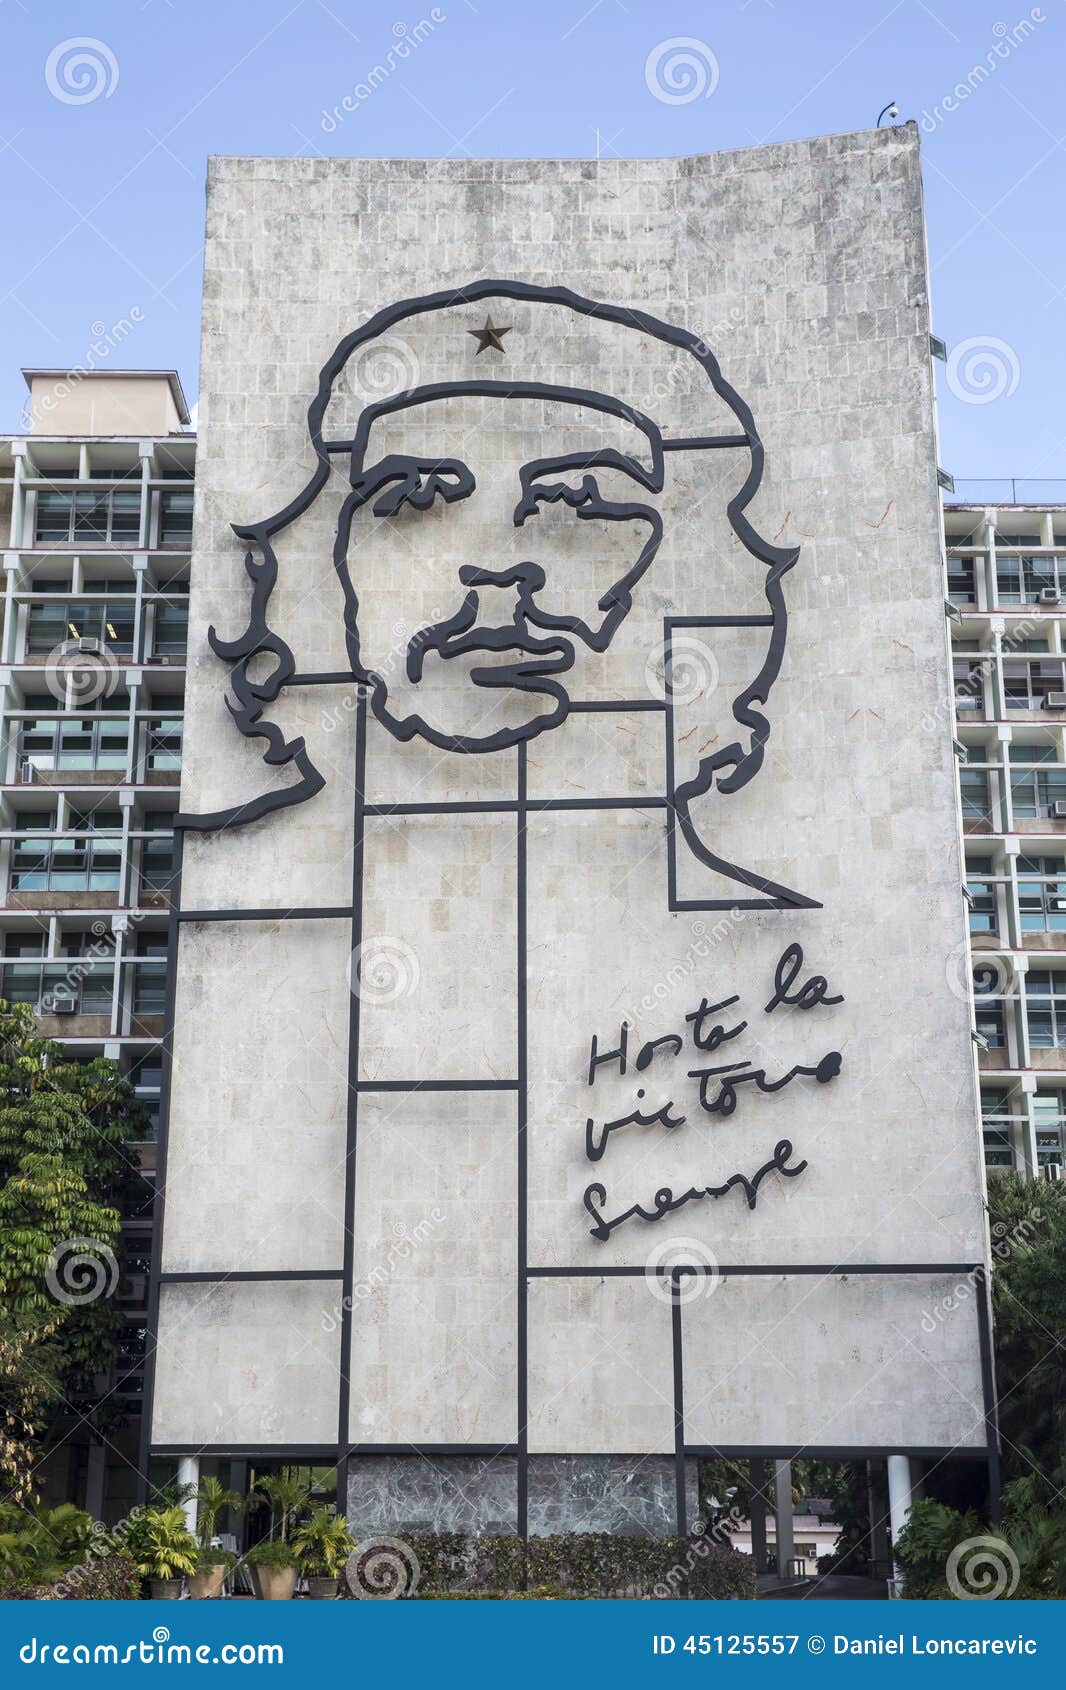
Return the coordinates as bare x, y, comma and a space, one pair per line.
273, 1564
167, 1551
323, 1544
212, 1564
274, 1569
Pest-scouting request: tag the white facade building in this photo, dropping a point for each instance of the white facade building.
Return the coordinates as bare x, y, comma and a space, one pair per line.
565, 1078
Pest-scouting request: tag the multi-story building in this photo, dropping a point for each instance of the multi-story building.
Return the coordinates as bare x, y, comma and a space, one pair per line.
1007, 600
96, 498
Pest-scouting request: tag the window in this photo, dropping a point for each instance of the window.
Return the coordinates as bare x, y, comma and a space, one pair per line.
52, 625
1049, 1121
149, 988
88, 985
1041, 752
973, 784
89, 518
35, 821
969, 684
996, 1124
1042, 894
1027, 684
163, 749
74, 742
1035, 792
961, 589
990, 1023
1045, 998
175, 518
983, 915
1021, 580
157, 867
24, 944
171, 636
65, 865
95, 821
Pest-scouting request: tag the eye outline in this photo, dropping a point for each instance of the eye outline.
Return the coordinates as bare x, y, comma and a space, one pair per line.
402, 481
587, 499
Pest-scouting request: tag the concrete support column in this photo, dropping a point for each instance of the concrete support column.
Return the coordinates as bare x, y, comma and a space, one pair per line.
95, 1472
189, 1474
757, 1484
900, 1496
783, 1515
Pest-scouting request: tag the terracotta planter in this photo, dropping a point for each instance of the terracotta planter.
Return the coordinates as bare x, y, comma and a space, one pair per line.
207, 1584
274, 1584
322, 1589
165, 1590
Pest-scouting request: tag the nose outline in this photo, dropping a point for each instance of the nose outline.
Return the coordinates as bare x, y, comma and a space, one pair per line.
527, 577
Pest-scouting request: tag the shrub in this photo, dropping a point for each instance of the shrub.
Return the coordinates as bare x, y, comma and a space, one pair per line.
112, 1578
273, 1553
212, 1556
580, 1564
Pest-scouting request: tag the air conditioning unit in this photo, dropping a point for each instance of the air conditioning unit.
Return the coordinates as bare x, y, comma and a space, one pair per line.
91, 648
165, 661
1049, 595
1058, 809
27, 772
1053, 1170
1057, 904
1055, 701
58, 1006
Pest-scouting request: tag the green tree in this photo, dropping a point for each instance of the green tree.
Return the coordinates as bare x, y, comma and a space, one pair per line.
1028, 1231
65, 1173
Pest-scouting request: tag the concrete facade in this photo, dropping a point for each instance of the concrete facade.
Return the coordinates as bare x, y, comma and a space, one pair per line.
441, 1111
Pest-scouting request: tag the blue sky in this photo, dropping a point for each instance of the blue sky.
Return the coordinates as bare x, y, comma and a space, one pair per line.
105, 194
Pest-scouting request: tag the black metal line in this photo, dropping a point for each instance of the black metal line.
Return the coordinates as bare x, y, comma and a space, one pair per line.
345, 1358
437, 1085
334, 912
839, 1452
610, 706
989, 1393
522, 1346
159, 1200
830, 1270
433, 1449
762, 621
248, 1275
326, 1453
507, 806
705, 442
681, 1501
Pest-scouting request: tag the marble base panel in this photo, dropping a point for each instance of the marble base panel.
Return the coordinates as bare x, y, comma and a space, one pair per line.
632, 1496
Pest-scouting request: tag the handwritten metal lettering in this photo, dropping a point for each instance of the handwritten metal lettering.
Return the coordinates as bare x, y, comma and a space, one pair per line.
666, 1203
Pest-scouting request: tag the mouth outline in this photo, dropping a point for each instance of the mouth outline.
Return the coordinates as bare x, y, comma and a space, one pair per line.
460, 636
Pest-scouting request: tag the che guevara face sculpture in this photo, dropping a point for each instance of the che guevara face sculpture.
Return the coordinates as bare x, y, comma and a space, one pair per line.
512, 622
